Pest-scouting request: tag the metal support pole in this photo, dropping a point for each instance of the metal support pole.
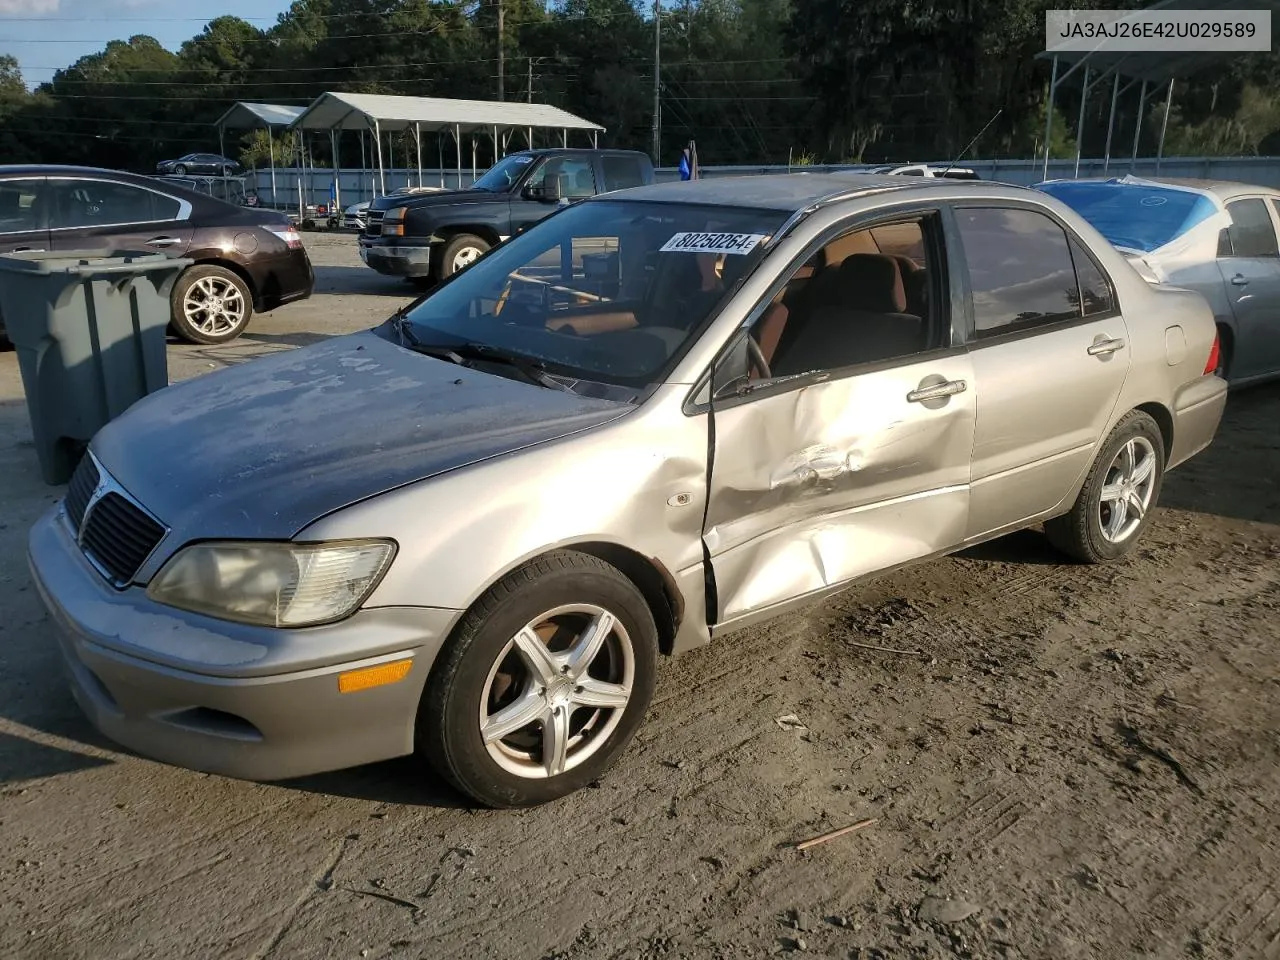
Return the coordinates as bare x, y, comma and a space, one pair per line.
457, 141
528, 135
417, 139
1048, 117
1111, 121
337, 176
271, 150
391, 157
657, 79
595, 141
297, 169
564, 138
222, 148
473, 160
440, 154
364, 165
1137, 126
495, 143
382, 174
1168, 102
1084, 98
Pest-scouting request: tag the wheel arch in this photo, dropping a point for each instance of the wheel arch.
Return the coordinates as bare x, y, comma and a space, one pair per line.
238, 269
1164, 420
647, 574
486, 233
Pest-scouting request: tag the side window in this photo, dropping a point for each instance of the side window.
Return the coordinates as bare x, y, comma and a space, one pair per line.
1096, 296
1252, 232
577, 178
622, 172
1020, 269
21, 206
866, 296
95, 203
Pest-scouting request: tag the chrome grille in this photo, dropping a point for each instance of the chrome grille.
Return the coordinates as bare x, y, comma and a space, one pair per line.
119, 537
83, 482
373, 223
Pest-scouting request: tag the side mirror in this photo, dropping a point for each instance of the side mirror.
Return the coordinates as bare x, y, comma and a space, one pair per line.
551, 190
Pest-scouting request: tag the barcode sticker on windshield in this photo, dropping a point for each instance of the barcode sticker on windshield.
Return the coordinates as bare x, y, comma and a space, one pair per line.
713, 242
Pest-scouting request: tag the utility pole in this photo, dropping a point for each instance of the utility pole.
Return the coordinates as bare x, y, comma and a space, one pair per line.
501, 91
657, 64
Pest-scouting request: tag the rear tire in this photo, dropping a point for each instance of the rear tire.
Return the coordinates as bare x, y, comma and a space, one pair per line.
210, 304
180, 170
557, 663
1118, 497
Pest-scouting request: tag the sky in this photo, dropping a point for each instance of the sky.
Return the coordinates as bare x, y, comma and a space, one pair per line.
46, 35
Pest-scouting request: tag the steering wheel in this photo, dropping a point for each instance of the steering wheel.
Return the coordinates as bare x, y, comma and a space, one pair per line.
756, 358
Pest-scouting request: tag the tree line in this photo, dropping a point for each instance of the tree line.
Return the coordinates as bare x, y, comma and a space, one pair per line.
752, 81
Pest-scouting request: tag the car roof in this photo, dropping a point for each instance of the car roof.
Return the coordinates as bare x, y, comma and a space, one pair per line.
791, 192
1222, 189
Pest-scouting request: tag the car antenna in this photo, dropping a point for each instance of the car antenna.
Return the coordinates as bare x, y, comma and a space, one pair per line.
968, 146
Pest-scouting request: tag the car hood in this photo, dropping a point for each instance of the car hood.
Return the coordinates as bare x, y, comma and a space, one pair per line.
443, 198
264, 448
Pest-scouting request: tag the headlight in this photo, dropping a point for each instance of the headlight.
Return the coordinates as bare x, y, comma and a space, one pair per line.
273, 584
395, 213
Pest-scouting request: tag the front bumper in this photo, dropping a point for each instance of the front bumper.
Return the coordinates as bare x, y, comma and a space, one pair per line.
247, 702
397, 261
1197, 412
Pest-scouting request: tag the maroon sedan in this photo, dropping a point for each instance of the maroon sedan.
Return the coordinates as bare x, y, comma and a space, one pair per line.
246, 259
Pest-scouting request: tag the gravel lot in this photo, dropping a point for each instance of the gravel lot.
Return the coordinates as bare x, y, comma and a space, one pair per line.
1061, 762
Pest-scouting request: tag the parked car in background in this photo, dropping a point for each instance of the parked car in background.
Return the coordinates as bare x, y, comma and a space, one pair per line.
354, 217
1217, 238
924, 170
649, 420
231, 189
246, 259
429, 239
208, 163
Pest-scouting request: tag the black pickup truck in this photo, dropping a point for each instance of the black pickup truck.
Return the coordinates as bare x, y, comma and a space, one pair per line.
431, 236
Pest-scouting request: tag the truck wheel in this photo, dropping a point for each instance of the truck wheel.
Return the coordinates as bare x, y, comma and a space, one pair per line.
460, 252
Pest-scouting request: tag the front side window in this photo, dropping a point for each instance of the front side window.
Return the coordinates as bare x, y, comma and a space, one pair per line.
1020, 269
1252, 232
576, 177
21, 209
611, 291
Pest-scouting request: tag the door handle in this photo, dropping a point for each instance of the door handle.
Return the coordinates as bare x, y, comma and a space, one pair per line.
163, 242
1239, 280
1101, 348
937, 391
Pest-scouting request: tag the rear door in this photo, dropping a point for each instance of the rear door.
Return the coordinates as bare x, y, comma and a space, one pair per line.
1050, 356
1250, 266
106, 214
23, 213
618, 171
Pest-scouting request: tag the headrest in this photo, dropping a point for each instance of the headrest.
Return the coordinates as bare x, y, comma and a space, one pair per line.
872, 282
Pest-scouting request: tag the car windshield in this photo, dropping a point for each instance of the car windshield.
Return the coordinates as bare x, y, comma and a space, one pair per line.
611, 291
502, 175
1134, 216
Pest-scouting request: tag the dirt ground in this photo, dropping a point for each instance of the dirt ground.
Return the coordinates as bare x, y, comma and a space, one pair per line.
1060, 762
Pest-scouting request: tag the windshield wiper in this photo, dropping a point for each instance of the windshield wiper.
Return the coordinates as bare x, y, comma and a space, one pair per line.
464, 354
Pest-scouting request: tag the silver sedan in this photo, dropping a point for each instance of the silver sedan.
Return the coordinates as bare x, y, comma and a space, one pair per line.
654, 418
1214, 237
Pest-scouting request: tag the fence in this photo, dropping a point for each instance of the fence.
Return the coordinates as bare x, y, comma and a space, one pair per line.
361, 185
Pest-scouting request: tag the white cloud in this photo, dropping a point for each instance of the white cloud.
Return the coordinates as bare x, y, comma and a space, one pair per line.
28, 7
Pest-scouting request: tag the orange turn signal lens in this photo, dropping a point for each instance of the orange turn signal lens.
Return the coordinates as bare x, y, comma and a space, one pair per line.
367, 677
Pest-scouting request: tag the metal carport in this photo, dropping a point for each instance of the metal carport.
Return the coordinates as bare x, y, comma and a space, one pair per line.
250, 116
379, 113
1153, 69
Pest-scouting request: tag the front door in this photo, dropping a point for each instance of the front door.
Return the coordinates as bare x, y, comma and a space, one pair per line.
577, 179
842, 431
1050, 356
90, 214
1250, 270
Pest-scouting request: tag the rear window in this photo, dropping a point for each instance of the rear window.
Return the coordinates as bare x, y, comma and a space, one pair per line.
622, 172
1134, 216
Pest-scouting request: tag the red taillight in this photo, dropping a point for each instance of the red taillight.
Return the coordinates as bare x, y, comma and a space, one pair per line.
1215, 355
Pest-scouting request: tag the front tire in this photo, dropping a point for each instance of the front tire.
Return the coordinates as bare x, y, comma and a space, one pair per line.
542, 685
460, 252
1118, 497
210, 304
180, 170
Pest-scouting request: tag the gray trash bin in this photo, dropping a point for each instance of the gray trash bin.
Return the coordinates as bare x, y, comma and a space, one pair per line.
89, 327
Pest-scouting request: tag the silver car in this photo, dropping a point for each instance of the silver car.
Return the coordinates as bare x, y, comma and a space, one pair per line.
654, 418
1216, 238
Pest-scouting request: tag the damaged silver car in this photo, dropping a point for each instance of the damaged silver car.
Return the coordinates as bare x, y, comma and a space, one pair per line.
656, 417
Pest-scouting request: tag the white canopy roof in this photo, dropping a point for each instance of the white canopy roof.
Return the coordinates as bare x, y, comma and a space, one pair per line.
359, 111
249, 115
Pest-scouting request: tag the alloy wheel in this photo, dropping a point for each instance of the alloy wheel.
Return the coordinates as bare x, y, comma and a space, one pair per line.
1127, 491
557, 690
214, 306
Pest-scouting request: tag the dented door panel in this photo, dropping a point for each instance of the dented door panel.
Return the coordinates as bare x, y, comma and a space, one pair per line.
832, 481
